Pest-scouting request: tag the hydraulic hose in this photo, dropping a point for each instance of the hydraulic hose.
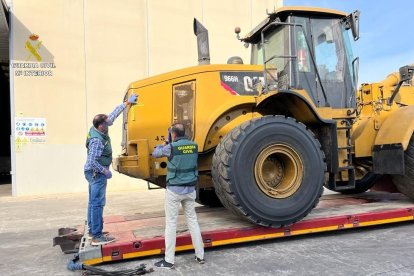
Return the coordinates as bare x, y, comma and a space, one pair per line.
73, 265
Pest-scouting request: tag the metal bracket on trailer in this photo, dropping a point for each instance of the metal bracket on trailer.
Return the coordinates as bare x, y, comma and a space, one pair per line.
68, 239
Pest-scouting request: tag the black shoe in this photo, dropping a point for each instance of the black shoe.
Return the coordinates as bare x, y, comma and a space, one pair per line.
164, 264
198, 260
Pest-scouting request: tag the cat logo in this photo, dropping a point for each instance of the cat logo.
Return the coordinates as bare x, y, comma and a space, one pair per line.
32, 45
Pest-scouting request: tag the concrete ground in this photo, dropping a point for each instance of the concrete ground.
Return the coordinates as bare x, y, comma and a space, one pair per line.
28, 224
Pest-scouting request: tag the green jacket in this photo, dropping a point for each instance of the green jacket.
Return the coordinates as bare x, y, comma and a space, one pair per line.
106, 157
182, 163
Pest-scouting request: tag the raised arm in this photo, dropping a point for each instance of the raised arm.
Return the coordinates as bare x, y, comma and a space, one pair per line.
118, 110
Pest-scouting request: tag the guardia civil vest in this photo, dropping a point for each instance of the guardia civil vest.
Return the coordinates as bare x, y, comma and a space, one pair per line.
182, 164
106, 158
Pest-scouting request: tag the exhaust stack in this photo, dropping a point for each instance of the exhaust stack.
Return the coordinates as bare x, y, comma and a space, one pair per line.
202, 43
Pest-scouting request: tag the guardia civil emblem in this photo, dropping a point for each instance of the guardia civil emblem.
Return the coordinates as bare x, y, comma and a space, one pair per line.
33, 45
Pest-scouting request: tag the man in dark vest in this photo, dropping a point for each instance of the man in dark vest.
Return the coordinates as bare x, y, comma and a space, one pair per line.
97, 170
182, 178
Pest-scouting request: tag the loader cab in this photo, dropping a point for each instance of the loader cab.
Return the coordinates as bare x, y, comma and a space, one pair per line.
309, 50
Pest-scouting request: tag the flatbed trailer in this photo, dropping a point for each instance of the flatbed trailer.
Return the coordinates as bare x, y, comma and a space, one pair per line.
140, 235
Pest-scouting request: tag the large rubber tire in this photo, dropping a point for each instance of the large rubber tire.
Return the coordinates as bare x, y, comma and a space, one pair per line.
361, 185
405, 183
235, 170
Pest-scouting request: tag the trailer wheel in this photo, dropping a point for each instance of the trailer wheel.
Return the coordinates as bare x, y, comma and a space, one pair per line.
269, 170
405, 183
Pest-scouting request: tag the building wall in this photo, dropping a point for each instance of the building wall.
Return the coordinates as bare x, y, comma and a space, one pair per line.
96, 48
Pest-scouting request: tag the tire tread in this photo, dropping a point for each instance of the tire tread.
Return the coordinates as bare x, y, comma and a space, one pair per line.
221, 170
405, 183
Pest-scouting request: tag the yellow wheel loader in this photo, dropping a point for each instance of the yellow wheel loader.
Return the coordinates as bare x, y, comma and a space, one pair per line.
274, 132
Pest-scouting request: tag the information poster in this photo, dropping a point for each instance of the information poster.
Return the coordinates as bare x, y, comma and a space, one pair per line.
29, 131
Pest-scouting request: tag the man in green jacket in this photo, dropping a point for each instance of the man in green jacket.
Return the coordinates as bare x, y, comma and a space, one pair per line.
182, 178
97, 170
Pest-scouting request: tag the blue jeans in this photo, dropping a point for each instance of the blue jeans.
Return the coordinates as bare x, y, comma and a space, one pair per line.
96, 203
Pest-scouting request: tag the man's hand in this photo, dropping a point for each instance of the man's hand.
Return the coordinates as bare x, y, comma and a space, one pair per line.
107, 173
133, 99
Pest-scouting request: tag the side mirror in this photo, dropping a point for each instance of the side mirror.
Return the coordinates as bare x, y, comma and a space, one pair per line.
355, 24
352, 22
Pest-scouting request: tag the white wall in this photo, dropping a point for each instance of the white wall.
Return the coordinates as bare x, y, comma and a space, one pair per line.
98, 47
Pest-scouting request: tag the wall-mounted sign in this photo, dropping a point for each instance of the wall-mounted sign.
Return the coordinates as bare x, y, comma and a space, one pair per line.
29, 131
34, 64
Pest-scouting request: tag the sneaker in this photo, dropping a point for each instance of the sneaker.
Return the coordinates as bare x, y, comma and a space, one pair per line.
102, 240
104, 233
198, 260
164, 264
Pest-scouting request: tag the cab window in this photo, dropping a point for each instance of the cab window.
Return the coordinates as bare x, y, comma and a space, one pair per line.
183, 102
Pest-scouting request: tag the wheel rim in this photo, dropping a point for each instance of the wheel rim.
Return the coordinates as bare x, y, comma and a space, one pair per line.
278, 171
